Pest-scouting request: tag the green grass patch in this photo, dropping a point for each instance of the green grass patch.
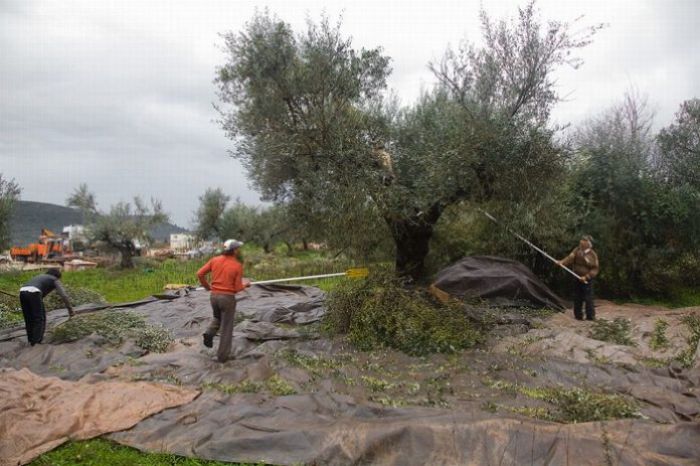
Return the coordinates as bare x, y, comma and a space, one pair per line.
149, 276
659, 340
115, 326
275, 385
10, 318
613, 331
317, 366
692, 323
10, 312
379, 312
101, 452
571, 405
116, 285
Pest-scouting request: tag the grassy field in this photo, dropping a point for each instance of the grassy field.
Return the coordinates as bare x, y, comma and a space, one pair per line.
99, 452
149, 277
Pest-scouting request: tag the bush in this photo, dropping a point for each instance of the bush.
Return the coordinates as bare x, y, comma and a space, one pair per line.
379, 312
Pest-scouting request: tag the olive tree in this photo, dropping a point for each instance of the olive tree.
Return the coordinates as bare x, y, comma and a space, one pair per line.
123, 227
212, 205
9, 193
679, 145
258, 225
313, 126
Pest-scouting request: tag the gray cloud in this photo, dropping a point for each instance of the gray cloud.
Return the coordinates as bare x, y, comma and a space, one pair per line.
118, 94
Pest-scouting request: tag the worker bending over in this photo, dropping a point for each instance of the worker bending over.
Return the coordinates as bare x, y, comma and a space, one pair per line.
31, 297
226, 280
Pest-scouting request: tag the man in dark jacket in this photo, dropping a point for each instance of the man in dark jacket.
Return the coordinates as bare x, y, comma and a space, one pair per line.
31, 296
584, 261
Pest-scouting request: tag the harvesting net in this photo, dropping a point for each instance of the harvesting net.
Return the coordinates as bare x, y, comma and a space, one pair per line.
293, 396
502, 281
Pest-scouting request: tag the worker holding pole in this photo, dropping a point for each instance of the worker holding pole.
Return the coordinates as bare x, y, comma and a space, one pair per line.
584, 262
226, 280
31, 297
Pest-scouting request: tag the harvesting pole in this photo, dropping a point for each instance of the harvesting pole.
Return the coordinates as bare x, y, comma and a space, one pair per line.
521, 238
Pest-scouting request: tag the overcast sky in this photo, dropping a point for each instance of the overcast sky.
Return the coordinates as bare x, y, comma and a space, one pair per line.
118, 94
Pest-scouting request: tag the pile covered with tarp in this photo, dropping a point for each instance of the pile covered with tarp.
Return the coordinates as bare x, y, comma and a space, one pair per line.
292, 396
501, 281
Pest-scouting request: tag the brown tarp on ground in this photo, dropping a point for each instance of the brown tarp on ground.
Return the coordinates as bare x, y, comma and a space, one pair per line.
496, 279
39, 413
452, 408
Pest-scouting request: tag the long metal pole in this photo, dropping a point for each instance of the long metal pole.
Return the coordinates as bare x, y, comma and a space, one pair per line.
541, 251
307, 277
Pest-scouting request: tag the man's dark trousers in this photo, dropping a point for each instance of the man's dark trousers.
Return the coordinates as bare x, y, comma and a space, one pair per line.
34, 315
584, 293
224, 309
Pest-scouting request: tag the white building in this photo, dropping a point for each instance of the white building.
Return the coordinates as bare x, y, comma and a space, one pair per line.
74, 232
181, 242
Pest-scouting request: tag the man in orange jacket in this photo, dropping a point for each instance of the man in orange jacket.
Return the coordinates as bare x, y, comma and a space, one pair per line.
226, 280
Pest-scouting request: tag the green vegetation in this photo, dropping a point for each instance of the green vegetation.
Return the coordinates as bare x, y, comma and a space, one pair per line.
100, 452
119, 229
317, 366
692, 323
675, 298
616, 331
10, 312
658, 338
276, 385
115, 326
154, 338
380, 312
10, 317
77, 296
149, 277
9, 194
117, 285
570, 405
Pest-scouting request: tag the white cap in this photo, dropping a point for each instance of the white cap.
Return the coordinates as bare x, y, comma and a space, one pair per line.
231, 244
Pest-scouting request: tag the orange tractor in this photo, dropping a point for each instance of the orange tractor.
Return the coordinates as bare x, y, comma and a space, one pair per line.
50, 248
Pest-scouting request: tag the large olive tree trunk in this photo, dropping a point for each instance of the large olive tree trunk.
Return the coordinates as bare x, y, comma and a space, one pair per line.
412, 240
127, 251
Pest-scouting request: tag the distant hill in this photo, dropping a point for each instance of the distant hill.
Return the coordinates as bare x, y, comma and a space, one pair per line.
30, 217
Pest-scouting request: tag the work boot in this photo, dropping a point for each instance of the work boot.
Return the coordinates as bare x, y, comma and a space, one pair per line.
208, 340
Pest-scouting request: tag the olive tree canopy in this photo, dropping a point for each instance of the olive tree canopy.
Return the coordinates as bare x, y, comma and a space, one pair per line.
123, 227
313, 125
